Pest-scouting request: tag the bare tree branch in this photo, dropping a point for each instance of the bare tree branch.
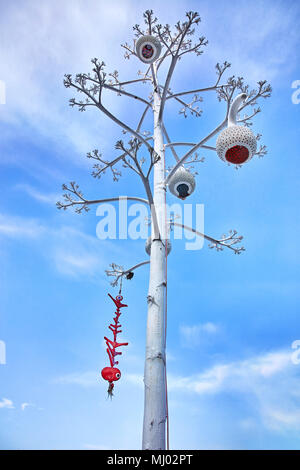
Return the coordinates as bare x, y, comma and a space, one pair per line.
170, 144
194, 148
188, 106
74, 198
178, 46
117, 272
224, 242
188, 144
98, 82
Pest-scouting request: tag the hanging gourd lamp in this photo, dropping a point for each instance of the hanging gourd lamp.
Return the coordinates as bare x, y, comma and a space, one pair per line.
148, 246
236, 144
182, 183
148, 49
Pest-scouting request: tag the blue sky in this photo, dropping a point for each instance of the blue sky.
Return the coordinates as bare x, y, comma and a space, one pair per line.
231, 319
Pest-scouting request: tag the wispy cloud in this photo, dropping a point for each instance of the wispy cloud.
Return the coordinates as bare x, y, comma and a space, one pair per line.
75, 253
72, 252
270, 380
254, 35
37, 95
14, 226
38, 195
193, 335
220, 376
26, 405
268, 383
95, 447
83, 379
6, 403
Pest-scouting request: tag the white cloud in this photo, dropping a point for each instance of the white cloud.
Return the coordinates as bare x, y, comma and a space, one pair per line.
63, 39
135, 379
74, 263
72, 252
83, 379
13, 226
95, 447
6, 403
253, 39
75, 253
38, 195
26, 405
33, 66
220, 376
192, 336
269, 381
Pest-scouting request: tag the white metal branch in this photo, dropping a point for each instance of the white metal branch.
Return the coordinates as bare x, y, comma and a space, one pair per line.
105, 111
123, 92
186, 105
256, 111
166, 86
100, 201
188, 144
142, 118
234, 108
133, 268
169, 144
194, 148
125, 126
131, 81
199, 90
213, 240
119, 273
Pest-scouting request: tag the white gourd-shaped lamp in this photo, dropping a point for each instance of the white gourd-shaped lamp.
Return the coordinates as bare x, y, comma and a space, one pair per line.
182, 184
236, 144
148, 49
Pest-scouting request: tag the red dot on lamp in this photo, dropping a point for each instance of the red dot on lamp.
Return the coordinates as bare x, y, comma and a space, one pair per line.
237, 154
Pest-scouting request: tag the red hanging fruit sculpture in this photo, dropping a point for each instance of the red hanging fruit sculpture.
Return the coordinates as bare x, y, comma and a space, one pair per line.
236, 144
112, 373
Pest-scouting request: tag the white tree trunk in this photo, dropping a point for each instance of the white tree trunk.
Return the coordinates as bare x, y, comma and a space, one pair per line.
155, 361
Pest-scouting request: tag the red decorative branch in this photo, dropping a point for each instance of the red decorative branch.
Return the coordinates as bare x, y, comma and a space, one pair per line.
112, 373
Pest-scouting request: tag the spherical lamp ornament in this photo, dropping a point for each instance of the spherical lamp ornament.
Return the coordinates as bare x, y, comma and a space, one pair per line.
236, 144
182, 184
148, 49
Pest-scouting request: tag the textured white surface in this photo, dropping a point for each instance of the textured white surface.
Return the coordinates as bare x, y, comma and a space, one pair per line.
148, 246
236, 135
182, 176
144, 41
155, 413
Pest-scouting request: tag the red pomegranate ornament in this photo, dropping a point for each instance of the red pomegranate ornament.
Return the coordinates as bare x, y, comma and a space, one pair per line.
112, 374
236, 144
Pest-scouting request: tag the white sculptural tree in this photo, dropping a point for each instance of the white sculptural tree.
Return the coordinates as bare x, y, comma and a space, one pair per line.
157, 45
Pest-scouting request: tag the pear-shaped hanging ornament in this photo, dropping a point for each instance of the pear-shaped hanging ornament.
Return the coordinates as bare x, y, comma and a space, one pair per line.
236, 144
182, 183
